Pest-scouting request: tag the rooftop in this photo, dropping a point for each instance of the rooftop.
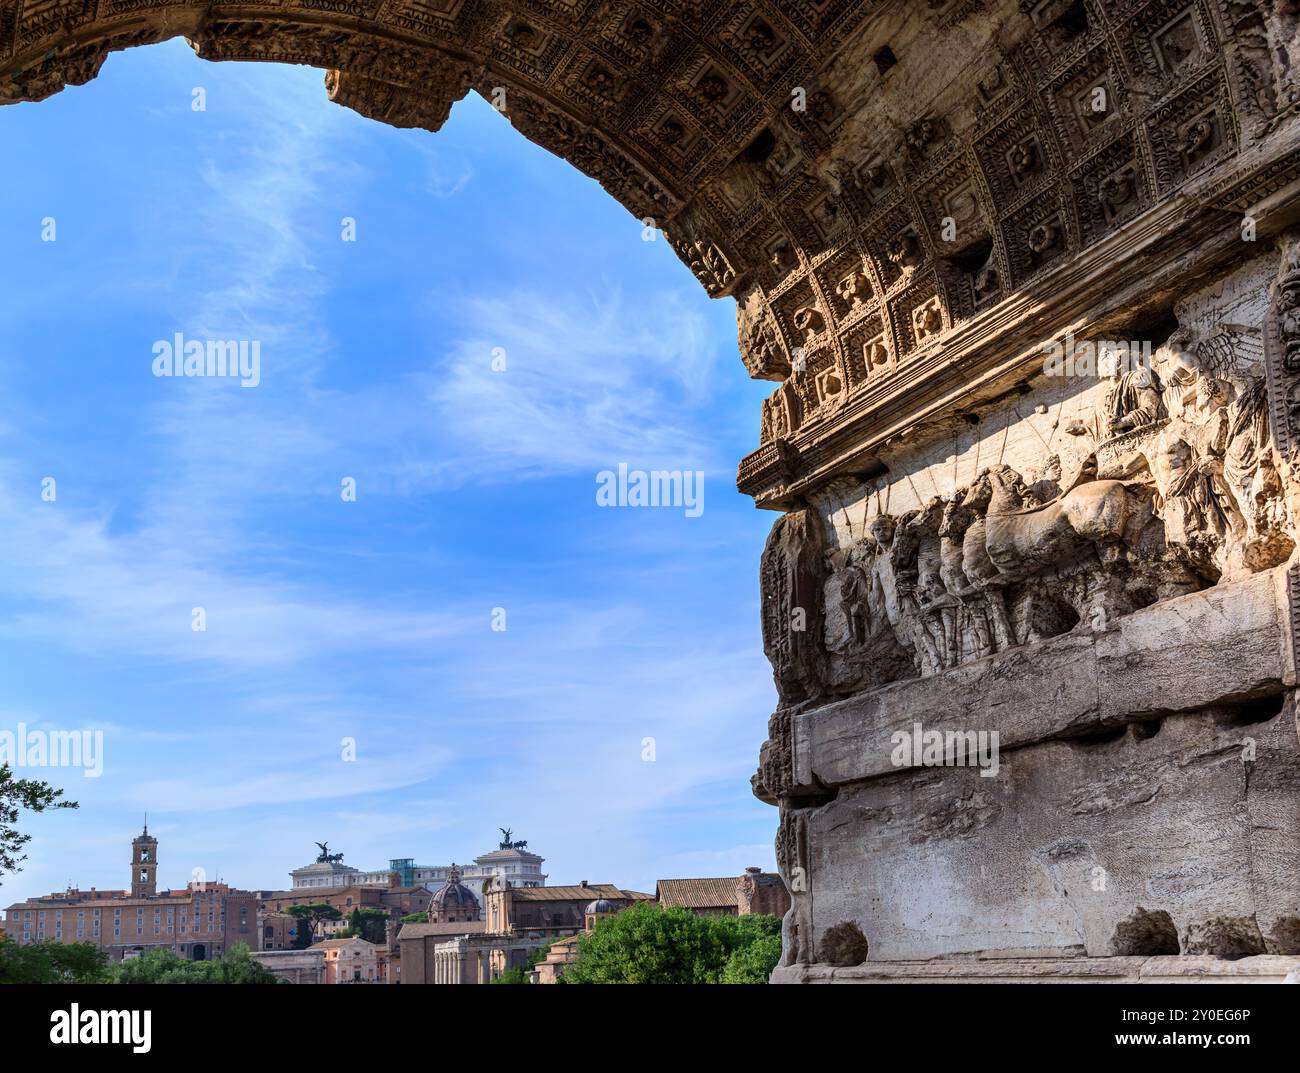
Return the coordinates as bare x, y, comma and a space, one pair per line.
576, 893
697, 893
334, 944
422, 931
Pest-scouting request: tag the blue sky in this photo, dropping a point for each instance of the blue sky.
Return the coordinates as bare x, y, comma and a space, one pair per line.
475, 490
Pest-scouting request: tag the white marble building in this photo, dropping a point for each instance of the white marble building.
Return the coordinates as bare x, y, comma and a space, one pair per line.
509, 864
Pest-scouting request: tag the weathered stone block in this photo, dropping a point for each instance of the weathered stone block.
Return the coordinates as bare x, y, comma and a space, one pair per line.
1073, 843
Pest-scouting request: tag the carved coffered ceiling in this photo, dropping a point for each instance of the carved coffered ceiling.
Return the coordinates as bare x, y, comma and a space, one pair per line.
873, 180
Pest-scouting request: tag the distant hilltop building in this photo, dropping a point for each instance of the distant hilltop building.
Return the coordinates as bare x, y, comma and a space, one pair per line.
201, 922
510, 864
329, 871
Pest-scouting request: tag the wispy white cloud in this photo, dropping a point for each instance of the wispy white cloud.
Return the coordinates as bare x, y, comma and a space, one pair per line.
589, 381
458, 729
74, 584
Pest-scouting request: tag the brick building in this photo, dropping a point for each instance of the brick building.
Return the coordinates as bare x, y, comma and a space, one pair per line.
549, 911
354, 961
276, 925
754, 892
202, 921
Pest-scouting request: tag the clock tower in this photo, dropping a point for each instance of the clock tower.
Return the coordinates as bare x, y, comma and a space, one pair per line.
144, 864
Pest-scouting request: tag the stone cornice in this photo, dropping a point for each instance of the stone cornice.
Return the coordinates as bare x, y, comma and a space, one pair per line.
1170, 244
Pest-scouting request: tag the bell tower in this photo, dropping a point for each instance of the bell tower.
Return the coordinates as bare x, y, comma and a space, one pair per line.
144, 864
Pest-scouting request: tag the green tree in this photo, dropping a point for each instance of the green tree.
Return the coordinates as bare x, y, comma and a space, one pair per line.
165, 967
649, 945
16, 795
370, 924
239, 967
308, 916
739, 932
753, 964
51, 963
416, 918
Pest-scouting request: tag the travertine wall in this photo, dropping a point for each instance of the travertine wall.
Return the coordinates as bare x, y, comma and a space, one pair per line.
1086, 583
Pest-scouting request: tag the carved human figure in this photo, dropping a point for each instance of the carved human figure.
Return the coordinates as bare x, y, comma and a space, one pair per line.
1178, 371
1044, 483
896, 581
1135, 399
1131, 400
1192, 494
881, 529
1248, 464
925, 609
855, 586
957, 518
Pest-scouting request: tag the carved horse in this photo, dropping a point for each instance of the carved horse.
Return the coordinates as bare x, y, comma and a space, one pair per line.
966, 569
1019, 540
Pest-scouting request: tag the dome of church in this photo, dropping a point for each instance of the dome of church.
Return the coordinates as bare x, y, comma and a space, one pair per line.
453, 901
601, 905
454, 895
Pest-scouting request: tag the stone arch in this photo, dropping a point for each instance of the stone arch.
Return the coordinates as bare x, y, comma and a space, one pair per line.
867, 179
638, 101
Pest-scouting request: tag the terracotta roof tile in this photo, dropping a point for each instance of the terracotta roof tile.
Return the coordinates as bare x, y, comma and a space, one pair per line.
420, 931
697, 893
575, 893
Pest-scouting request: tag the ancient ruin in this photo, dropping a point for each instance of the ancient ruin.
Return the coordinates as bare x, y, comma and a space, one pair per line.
1026, 278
